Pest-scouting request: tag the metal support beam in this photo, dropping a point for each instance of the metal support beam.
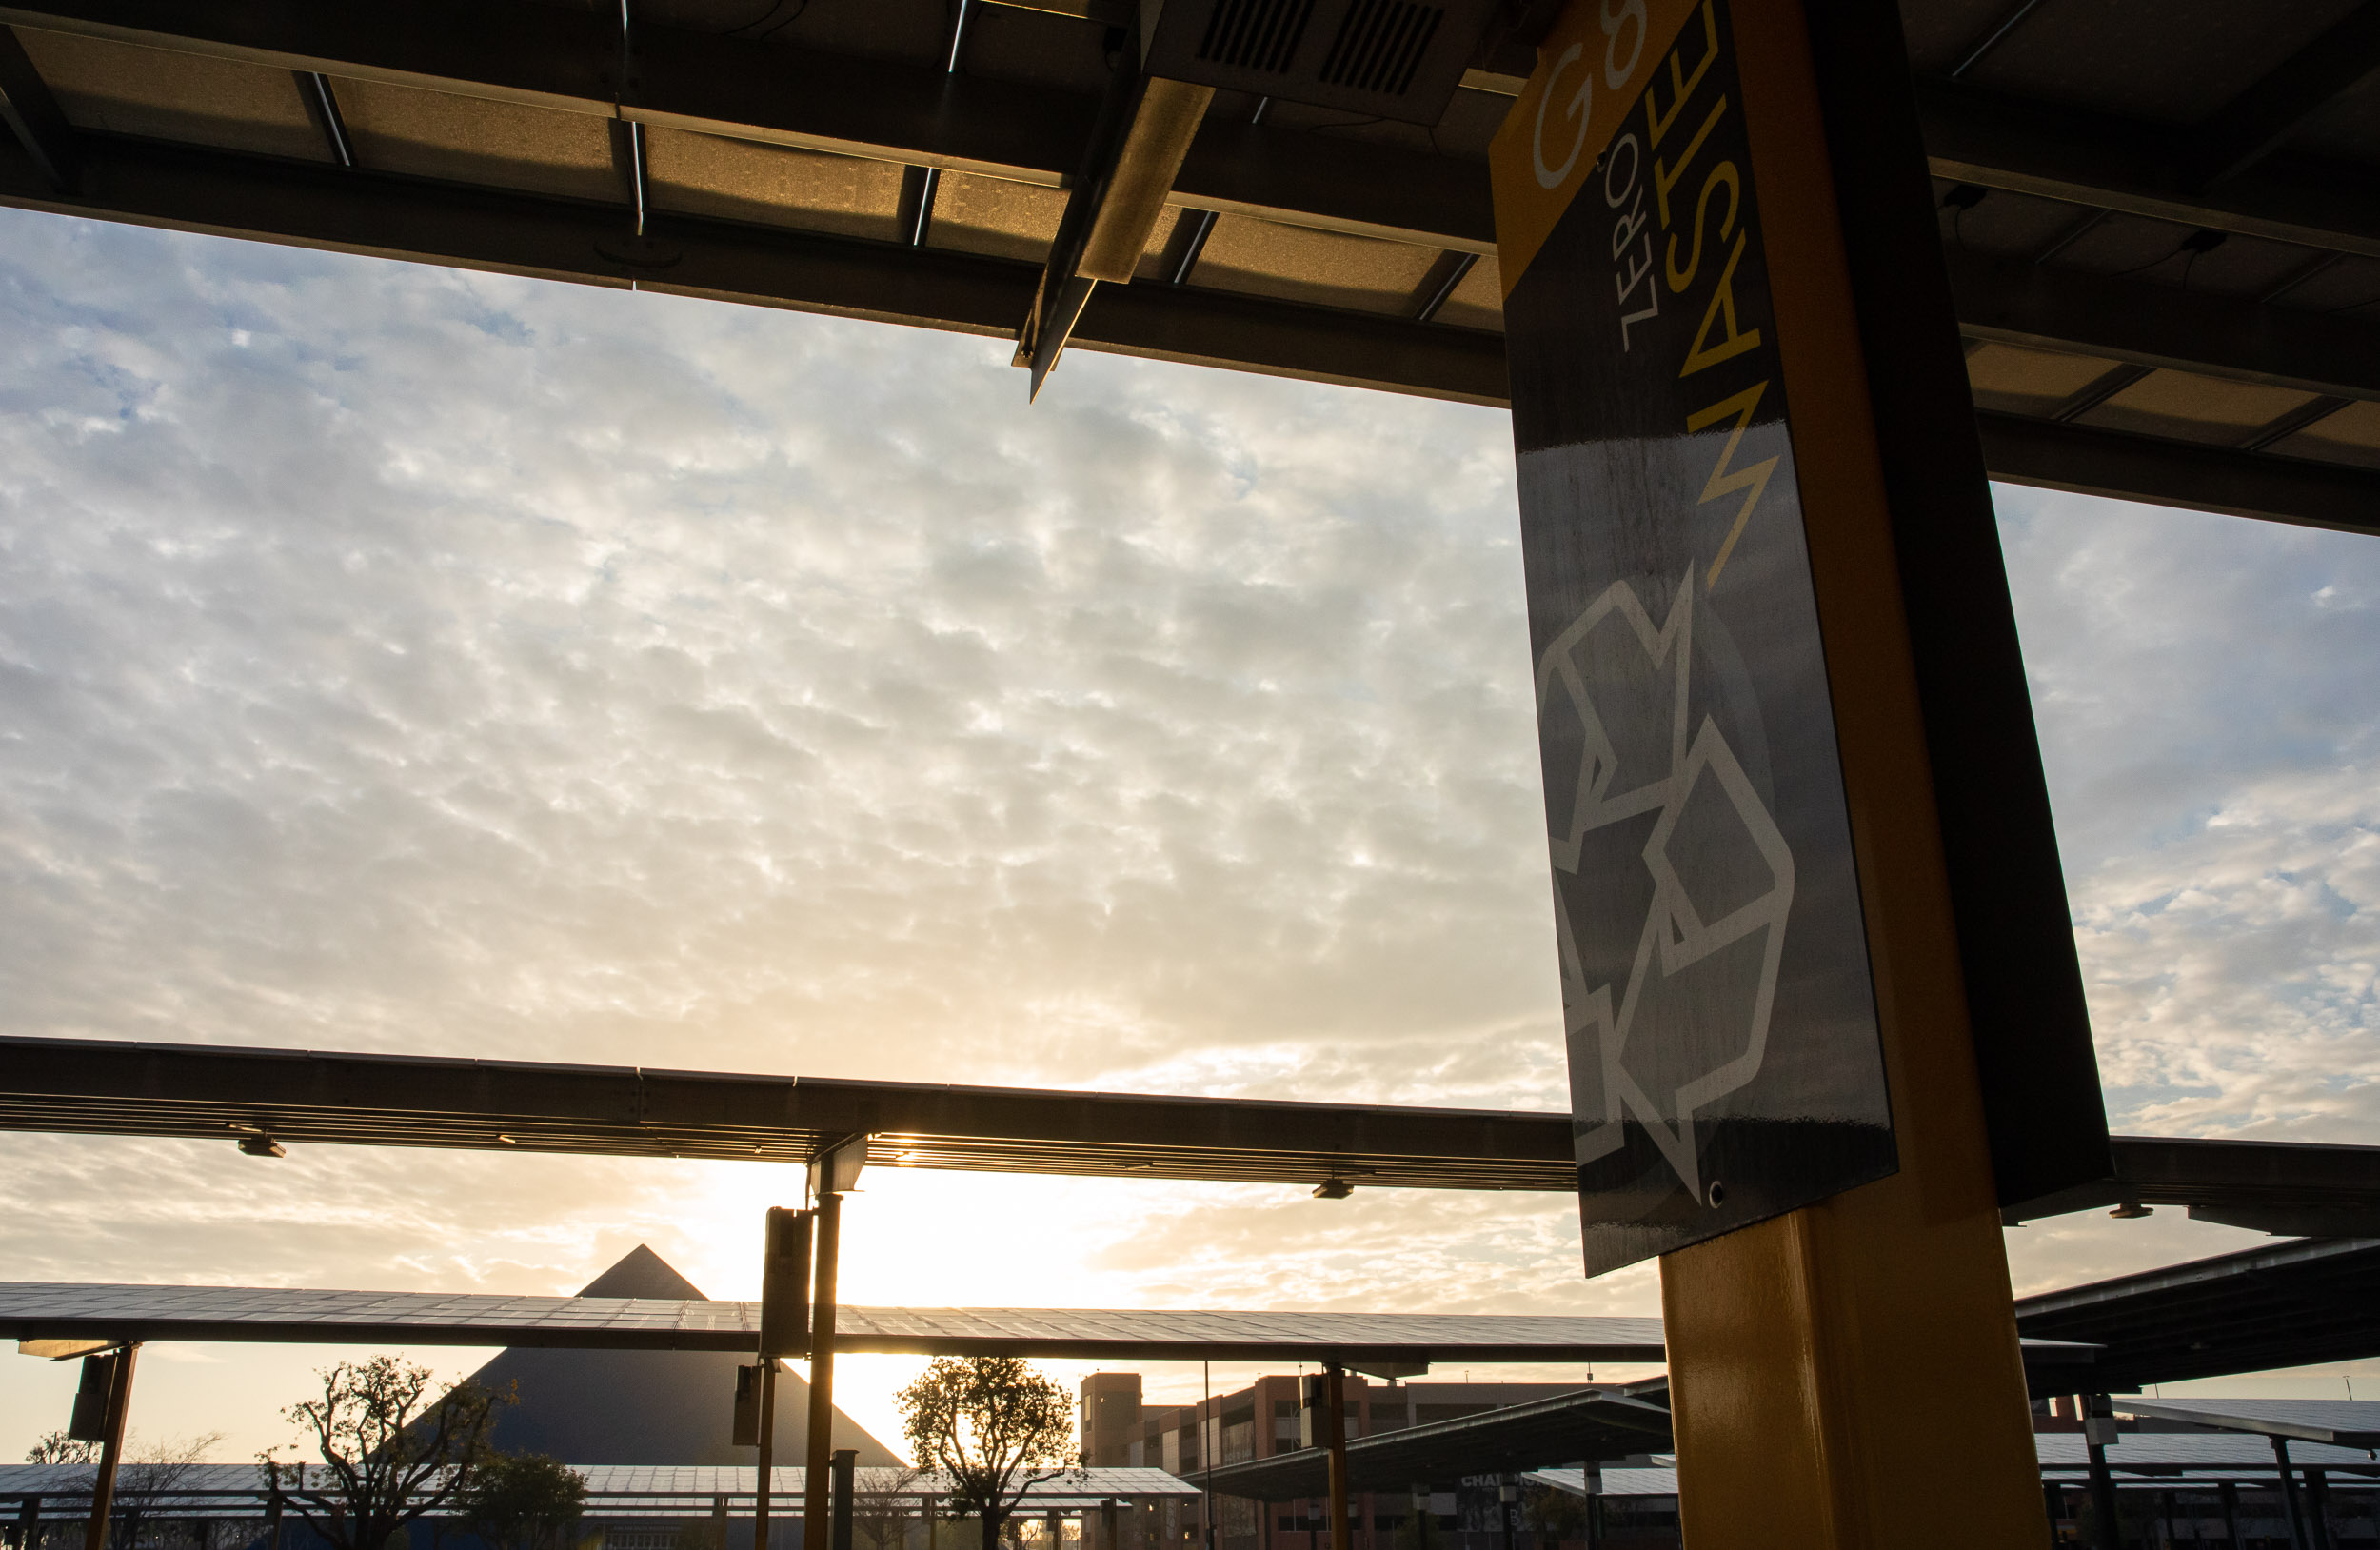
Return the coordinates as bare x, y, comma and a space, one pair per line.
321, 106
765, 1480
2138, 168
827, 1238
1454, 268
103, 1493
1334, 1438
2160, 326
2021, 450
1993, 36
1129, 162
2106, 1532
844, 1464
2291, 1504
34, 117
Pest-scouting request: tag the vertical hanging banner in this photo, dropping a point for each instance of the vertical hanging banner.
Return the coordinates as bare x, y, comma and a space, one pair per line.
1725, 1058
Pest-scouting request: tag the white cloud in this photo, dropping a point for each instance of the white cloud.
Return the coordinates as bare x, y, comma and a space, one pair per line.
401, 659
2211, 724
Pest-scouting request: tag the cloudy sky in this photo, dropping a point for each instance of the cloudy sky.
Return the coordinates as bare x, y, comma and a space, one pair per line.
395, 658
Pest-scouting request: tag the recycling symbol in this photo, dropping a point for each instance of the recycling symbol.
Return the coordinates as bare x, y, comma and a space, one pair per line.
1667, 1014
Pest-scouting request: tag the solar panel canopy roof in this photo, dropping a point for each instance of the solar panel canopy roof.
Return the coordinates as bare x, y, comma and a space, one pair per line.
36, 1310
2159, 217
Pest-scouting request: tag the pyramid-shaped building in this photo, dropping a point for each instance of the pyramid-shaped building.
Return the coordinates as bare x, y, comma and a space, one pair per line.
648, 1407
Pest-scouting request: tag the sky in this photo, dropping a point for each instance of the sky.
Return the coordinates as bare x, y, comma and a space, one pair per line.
395, 658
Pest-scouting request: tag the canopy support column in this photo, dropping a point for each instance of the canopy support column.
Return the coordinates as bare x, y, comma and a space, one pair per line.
2106, 1533
768, 1453
2290, 1503
103, 1494
1335, 1410
815, 1507
846, 1470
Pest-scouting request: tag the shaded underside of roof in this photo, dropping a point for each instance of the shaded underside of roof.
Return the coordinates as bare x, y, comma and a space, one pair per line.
2289, 1306
2166, 262
1594, 1423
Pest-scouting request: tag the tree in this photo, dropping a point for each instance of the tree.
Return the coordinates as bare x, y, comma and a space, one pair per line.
391, 1453
144, 1481
882, 1517
1555, 1516
994, 1426
523, 1501
59, 1448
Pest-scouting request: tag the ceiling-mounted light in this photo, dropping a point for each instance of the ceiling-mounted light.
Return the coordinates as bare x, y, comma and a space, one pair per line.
261, 1144
1333, 1189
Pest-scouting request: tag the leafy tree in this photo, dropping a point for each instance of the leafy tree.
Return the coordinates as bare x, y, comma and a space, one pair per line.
391, 1452
59, 1448
523, 1501
994, 1426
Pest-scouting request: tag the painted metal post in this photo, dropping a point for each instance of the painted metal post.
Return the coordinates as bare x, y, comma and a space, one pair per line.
828, 1241
2106, 1532
765, 1480
2229, 1490
1592, 1479
1822, 405
112, 1451
846, 1470
1334, 1438
2290, 1505
2318, 1501
28, 1521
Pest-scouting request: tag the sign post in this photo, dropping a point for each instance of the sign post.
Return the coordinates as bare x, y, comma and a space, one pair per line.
1772, 634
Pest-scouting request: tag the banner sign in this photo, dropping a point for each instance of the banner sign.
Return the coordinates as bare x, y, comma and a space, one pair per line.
1725, 1063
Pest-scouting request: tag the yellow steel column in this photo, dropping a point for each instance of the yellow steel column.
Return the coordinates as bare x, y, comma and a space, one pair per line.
1848, 1375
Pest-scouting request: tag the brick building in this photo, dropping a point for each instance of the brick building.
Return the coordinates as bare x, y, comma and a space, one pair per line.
1119, 1429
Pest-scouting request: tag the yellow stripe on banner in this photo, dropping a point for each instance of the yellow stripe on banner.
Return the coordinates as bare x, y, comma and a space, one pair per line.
1591, 70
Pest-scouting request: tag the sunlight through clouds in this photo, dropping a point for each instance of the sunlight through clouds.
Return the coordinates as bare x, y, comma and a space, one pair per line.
402, 658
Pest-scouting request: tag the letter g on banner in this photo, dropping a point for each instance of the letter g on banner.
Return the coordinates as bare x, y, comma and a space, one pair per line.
1614, 73
1551, 177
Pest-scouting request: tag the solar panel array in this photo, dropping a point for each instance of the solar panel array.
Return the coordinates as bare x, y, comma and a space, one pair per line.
53, 1310
2163, 239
